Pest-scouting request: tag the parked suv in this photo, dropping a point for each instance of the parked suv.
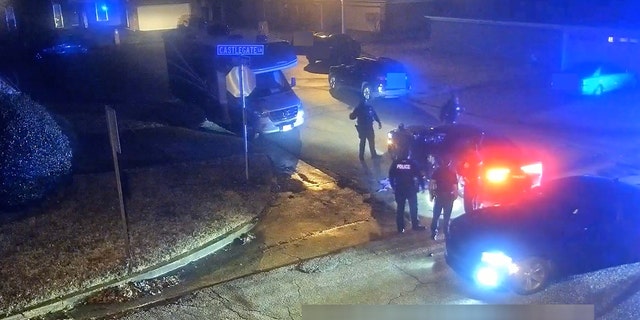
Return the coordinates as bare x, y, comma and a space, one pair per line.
333, 49
371, 78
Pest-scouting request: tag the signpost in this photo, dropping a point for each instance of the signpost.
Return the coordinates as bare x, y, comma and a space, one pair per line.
114, 139
246, 80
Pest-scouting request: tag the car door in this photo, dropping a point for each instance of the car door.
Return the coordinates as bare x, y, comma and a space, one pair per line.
624, 225
353, 75
586, 229
342, 74
359, 72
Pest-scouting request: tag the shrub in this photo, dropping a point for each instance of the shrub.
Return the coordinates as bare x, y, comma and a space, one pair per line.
35, 154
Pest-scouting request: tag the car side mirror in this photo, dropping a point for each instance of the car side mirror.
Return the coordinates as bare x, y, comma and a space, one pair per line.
293, 81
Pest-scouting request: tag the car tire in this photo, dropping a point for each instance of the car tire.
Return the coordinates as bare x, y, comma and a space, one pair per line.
366, 92
534, 274
333, 83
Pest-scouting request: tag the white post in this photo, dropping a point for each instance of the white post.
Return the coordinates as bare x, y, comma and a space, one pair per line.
114, 138
321, 17
244, 122
342, 14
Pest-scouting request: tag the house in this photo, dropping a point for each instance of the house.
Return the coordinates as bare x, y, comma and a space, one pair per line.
360, 16
36, 19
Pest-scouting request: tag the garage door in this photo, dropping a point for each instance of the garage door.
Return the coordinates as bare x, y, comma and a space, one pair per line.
161, 17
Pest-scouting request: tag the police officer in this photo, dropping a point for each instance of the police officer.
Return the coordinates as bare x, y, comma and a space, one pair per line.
365, 115
443, 188
406, 180
470, 171
403, 140
450, 111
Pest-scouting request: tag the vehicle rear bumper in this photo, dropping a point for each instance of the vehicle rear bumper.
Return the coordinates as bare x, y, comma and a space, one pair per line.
391, 93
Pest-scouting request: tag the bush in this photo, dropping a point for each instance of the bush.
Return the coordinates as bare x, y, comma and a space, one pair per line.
35, 154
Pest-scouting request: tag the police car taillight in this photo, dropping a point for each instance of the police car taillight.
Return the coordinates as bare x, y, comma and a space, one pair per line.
497, 175
533, 170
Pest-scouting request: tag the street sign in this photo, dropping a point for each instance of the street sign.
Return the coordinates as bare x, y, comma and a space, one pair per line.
234, 77
240, 49
240, 82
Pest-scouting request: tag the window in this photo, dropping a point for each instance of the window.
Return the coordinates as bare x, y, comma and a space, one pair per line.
102, 11
58, 20
10, 18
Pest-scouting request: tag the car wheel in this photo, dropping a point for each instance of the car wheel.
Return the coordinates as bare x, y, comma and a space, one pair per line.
333, 83
598, 91
366, 92
533, 275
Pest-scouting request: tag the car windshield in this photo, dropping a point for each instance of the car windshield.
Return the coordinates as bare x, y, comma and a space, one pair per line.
270, 83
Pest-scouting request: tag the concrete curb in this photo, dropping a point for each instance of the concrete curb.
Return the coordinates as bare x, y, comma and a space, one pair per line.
71, 300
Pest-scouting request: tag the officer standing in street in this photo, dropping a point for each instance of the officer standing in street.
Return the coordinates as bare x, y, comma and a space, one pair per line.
403, 140
470, 171
365, 115
406, 180
450, 111
443, 188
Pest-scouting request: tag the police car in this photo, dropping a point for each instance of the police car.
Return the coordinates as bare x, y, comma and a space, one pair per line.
503, 170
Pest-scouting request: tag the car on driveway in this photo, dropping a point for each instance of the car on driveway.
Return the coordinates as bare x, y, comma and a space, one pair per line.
593, 79
503, 170
333, 49
371, 78
567, 226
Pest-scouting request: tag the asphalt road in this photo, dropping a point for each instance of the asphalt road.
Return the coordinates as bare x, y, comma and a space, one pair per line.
399, 269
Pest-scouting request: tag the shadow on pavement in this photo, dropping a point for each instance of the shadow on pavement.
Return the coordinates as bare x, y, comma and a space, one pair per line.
318, 68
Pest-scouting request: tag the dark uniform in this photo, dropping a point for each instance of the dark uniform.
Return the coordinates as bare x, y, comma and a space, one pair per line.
443, 189
365, 115
405, 179
403, 141
470, 170
450, 111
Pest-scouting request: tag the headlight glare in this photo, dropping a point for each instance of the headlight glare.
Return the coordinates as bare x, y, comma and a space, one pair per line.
487, 276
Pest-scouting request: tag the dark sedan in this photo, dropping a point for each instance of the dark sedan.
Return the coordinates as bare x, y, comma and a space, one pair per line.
567, 226
503, 171
333, 49
371, 78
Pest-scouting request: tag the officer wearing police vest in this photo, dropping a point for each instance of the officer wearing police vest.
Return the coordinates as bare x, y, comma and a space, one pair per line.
443, 189
406, 181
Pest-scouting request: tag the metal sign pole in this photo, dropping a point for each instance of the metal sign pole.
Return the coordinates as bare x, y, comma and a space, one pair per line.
114, 137
244, 122
241, 51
